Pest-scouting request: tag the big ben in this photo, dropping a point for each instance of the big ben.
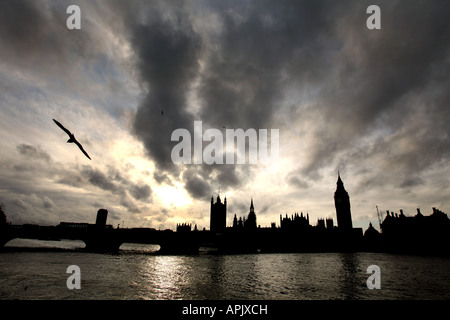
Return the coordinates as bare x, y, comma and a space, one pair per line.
342, 204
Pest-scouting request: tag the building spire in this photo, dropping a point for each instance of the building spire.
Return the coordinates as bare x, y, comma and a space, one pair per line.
339, 181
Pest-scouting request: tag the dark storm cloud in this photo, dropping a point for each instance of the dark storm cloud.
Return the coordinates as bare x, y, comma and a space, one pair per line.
167, 62
229, 176
33, 152
161, 177
196, 185
116, 183
363, 79
375, 75
48, 203
168, 53
240, 85
34, 35
245, 77
298, 183
99, 179
140, 192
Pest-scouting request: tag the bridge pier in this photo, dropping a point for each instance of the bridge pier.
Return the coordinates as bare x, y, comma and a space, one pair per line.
176, 248
102, 241
180, 243
5, 237
3, 241
102, 245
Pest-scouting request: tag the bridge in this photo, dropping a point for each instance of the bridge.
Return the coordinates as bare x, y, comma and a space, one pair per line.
107, 239
100, 237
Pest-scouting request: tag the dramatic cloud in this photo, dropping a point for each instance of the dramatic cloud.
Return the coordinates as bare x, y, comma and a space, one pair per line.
236, 73
372, 104
384, 82
33, 152
196, 186
361, 98
167, 61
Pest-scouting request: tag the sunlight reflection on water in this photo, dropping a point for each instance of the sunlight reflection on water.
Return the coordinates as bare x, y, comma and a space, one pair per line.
138, 273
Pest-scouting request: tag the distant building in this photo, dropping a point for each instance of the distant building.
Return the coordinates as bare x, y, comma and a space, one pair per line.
251, 219
102, 216
330, 224
100, 223
2, 217
218, 215
371, 232
184, 227
419, 233
237, 224
325, 224
74, 225
372, 239
295, 222
248, 223
342, 204
321, 224
399, 224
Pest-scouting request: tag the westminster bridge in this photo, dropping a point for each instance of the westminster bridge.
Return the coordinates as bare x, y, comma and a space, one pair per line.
100, 237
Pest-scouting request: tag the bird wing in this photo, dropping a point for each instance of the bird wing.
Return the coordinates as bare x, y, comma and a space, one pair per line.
62, 127
81, 148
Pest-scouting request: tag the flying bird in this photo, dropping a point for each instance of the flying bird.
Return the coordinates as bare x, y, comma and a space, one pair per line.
72, 138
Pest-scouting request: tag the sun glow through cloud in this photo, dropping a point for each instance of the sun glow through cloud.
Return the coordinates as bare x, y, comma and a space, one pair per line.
172, 197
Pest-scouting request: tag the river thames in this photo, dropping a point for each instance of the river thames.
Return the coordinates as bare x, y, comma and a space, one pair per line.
31, 269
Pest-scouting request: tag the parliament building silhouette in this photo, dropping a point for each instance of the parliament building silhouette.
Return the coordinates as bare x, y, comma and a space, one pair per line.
296, 222
400, 233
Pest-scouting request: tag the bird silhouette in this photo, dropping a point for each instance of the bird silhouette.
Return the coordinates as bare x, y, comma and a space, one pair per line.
72, 138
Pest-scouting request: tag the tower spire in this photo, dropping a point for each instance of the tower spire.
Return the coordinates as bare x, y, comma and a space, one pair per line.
339, 181
251, 220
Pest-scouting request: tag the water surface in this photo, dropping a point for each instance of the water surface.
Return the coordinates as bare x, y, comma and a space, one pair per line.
138, 273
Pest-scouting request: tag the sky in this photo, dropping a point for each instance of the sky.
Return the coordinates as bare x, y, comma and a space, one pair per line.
371, 104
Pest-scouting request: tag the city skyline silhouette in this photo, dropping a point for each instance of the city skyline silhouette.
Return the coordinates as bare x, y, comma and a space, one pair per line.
225, 151
426, 235
345, 98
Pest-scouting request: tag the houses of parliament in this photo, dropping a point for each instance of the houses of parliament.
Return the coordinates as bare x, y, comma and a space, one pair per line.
296, 222
399, 233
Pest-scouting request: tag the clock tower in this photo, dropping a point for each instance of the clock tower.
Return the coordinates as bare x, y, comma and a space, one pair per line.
342, 204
